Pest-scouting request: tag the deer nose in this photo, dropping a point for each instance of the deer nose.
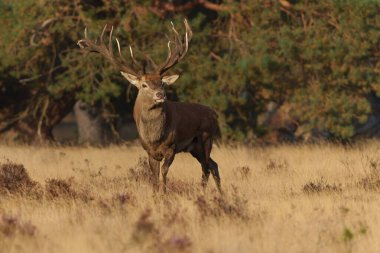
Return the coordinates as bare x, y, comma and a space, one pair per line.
160, 95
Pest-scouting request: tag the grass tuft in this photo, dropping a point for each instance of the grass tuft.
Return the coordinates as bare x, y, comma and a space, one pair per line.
320, 186
14, 179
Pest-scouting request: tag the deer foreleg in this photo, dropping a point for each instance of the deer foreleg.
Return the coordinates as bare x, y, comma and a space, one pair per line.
155, 168
169, 157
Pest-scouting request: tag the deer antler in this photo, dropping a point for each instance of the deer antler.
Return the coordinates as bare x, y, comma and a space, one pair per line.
180, 48
93, 46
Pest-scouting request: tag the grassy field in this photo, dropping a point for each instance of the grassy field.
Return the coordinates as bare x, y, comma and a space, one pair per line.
277, 199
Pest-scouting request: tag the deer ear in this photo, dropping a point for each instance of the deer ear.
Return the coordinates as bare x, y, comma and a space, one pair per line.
169, 79
132, 79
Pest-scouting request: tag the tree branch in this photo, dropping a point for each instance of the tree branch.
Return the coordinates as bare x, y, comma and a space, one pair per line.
161, 9
214, 7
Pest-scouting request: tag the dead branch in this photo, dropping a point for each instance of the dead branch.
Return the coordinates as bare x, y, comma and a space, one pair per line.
215, 56
160, 9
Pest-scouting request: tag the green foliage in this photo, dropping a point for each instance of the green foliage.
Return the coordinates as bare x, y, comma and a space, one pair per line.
347, 235
319, 56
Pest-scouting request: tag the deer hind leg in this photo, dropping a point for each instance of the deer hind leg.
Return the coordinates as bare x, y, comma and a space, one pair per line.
205, 175
215, 173
169, 157
155, 168
197, 152
211, 164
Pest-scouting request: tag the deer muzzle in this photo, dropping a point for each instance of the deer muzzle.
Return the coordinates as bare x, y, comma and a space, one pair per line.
159, 97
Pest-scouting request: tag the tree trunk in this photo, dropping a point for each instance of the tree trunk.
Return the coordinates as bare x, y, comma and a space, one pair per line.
371, 128
91, 125
36, 126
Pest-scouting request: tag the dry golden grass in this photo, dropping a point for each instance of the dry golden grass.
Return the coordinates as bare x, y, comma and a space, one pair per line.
278, 199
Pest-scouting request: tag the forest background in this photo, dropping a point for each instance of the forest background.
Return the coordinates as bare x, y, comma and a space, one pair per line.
273, 70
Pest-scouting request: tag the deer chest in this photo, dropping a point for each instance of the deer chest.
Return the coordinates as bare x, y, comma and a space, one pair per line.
157, 149
149, 134
154, 150
151, 127
155, 136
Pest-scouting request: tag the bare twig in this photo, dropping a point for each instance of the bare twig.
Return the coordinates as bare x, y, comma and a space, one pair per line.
215, 56
160, 9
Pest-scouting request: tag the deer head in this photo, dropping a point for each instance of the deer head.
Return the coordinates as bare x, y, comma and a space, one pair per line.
150, 84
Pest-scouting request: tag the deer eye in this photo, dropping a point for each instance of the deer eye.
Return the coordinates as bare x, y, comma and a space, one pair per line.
144, 86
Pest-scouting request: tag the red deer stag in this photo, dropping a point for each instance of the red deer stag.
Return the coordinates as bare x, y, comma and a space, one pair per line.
165, 127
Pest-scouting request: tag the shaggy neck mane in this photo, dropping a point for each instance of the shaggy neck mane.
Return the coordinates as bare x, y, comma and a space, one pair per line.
151, 119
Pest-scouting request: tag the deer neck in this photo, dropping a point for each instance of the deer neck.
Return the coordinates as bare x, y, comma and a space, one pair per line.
150, 119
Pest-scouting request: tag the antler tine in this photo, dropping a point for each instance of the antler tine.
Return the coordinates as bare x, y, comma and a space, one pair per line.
169, 55
106, 52
118, 47
131, 51
188, 36
133, 58
173, 28
102, 34
170, 51
177, 38
110, 41
188, 29
85, 38
181, 48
